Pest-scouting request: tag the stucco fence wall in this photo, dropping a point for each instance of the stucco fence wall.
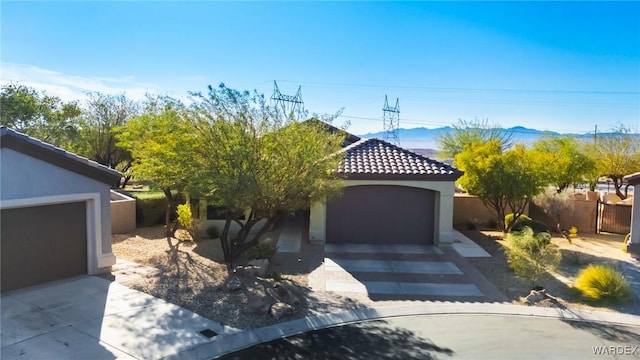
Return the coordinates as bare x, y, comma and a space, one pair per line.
580, 213
123, 213
469, 210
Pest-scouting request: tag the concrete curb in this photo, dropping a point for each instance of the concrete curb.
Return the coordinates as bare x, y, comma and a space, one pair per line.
226, 344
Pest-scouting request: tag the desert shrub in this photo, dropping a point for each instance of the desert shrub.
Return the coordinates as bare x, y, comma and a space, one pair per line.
213, 232
536, 226
151, 207
508, 219
554, 204
150, 212
531, 254
261, 251
185, 219
601, 284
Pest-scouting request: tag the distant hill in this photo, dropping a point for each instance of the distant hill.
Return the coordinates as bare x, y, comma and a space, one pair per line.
425, 139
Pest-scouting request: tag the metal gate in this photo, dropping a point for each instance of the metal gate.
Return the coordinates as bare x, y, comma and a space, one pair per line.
613, 218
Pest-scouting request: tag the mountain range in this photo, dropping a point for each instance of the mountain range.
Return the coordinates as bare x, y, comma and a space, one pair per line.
423, 138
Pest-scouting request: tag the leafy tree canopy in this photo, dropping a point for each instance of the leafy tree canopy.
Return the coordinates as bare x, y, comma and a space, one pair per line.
616, 155
103, 114
566, 161
504, 181
466, 132
254, 160
36, 114
163, 144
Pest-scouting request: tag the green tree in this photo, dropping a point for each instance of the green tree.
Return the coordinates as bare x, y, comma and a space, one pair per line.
36, 114
257, 162
163, 143
466, 132
102, 115
567, 164
504, 181
616, 155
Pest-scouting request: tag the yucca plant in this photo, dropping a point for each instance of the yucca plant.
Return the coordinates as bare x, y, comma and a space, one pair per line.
600, 284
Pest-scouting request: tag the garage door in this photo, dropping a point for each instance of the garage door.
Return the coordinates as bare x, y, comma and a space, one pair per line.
42, 243
381, 215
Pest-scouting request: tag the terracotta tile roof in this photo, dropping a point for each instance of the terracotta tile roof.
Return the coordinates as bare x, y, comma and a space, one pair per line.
25, 144
378, 159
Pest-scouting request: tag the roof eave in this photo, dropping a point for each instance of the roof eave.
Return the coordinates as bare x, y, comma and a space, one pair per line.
60, 159
400, 177
633, 179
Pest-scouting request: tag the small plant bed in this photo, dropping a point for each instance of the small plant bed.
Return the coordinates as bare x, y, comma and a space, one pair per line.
559, 285
193, 275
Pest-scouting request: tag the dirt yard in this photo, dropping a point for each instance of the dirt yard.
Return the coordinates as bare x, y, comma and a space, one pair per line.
582, 251
194, 276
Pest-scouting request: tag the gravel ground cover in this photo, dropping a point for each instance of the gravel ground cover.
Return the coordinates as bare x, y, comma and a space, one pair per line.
582, 251
194, 276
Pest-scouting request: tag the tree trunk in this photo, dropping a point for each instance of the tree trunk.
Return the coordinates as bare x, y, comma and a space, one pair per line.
224, 237
169, 230
233, 248
617, 183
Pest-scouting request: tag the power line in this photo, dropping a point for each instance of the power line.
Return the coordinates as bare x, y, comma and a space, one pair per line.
291, 106
430, 88
391, 121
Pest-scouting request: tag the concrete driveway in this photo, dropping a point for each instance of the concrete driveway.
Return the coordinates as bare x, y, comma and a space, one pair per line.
89, 317
402, 272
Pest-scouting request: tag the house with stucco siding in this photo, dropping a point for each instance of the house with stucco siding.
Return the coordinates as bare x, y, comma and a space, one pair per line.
54, 212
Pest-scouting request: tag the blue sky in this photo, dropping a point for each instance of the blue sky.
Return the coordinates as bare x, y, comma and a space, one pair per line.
563, 66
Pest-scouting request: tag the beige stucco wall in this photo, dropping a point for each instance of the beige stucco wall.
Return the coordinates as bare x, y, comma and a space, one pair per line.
635, 217
28, 181
443, 222
123, 214
469, 209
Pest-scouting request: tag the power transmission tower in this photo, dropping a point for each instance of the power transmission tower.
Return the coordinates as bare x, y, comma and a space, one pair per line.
391, 121
287, 107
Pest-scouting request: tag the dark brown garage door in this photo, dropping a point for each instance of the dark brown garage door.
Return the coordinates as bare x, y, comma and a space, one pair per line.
381, 215
42, 243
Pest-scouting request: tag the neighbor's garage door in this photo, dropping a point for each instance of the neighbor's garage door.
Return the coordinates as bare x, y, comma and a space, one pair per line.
42, 243
377, 214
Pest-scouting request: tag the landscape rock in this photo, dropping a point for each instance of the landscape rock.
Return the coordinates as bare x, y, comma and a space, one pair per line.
234, 284
278, 310
535, 296
260, 266
247, 271
267, 241
257, 304
286, 293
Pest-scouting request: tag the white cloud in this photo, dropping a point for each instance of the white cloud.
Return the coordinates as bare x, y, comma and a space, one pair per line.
72, 87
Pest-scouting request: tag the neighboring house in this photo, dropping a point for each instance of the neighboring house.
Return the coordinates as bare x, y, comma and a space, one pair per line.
633, 244
391, 196
54, 213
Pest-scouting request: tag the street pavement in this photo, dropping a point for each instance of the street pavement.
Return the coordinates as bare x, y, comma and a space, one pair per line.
457, 336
